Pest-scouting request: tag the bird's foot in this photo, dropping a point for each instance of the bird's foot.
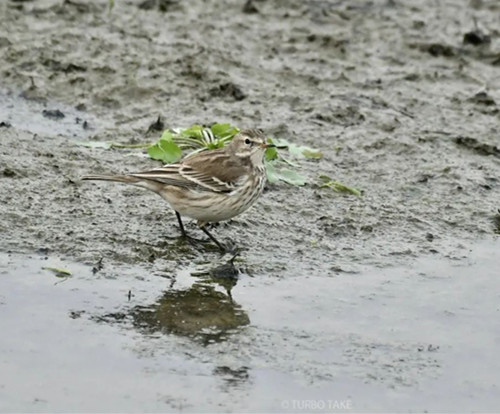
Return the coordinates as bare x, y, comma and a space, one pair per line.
192, 240
208, 244
223, 248
231, 248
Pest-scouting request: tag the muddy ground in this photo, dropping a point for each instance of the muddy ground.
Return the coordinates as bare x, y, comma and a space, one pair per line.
388, 91
400, 96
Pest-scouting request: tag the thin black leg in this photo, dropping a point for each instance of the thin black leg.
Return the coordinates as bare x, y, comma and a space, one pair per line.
220, 246
184, 235
181, 226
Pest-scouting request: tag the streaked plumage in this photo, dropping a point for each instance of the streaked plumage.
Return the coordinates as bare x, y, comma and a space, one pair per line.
209, 186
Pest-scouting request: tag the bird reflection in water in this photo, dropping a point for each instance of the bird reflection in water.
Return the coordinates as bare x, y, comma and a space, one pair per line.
200, 311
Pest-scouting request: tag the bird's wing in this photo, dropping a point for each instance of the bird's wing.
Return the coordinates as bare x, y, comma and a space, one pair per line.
168, 175
196, 173
215, 170
206, 181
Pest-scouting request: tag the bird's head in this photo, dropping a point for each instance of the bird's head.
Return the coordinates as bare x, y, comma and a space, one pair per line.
250, 143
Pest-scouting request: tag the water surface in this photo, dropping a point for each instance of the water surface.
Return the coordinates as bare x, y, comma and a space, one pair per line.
414, 338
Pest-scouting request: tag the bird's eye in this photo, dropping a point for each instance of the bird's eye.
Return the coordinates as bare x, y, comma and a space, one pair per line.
248, 142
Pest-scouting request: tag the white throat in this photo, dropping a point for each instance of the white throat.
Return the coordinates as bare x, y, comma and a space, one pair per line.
256, 158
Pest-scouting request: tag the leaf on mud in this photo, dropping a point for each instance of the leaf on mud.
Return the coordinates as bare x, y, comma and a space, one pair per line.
310, 153
165, 150
271, 153
292, 177
338, 187
197, 136
288, 176
167, 135
272, 176
224, 131
94, 144
58, 271
300, 151
196, 131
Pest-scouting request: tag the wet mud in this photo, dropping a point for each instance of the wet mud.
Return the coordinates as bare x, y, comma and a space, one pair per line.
401, 98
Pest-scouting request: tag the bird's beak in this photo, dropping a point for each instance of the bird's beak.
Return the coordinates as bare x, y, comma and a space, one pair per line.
264, 145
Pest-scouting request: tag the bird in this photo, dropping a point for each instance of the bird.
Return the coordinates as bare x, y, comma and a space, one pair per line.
209, 186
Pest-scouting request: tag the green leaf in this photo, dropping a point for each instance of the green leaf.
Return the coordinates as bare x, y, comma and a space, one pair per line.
288, 176
94, 144
215, 145
300, 151
311, 153
58, 272
196, 131
292, 177
271, 153
224, 131
288, 162
272, 176
166, 151
109, 144
337, 186
167, 135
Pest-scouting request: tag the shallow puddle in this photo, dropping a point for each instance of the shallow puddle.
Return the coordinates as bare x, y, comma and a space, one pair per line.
419, 338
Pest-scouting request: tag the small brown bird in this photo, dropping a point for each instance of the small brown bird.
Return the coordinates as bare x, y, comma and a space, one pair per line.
210, 186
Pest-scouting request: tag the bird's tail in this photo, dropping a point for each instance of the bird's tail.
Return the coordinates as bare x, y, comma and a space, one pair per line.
128, 179
119, 178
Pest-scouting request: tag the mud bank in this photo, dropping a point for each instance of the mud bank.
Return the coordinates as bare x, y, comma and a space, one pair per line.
397, 120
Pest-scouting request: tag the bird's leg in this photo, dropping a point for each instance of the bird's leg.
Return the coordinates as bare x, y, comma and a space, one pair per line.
184, 235
181, 226
204, 230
